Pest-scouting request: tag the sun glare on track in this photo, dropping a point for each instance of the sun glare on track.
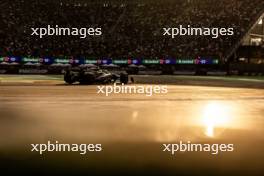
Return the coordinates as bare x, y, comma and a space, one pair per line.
215, 114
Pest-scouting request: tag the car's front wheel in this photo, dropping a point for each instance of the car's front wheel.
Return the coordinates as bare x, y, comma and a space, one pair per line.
124, 78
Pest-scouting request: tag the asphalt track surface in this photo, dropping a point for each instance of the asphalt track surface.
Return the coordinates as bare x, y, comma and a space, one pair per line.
131, 128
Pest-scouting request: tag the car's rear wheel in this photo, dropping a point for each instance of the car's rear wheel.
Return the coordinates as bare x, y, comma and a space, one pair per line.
69, 77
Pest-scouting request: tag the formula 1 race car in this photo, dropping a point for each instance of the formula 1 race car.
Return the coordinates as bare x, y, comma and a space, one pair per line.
93, 76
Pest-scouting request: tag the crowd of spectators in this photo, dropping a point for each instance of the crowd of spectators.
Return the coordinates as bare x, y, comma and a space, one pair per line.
130, 28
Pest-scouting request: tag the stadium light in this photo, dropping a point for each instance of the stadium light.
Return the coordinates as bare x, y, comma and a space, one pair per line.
260, 22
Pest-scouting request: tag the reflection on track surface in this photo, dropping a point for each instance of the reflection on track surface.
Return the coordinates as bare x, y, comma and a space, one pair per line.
132, 128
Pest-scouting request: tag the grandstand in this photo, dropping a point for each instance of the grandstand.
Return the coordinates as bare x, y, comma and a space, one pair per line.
131, 29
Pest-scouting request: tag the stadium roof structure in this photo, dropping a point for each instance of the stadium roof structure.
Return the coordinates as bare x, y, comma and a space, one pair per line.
256, 31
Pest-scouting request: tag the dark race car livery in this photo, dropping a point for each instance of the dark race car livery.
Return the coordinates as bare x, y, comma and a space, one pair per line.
93, 76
